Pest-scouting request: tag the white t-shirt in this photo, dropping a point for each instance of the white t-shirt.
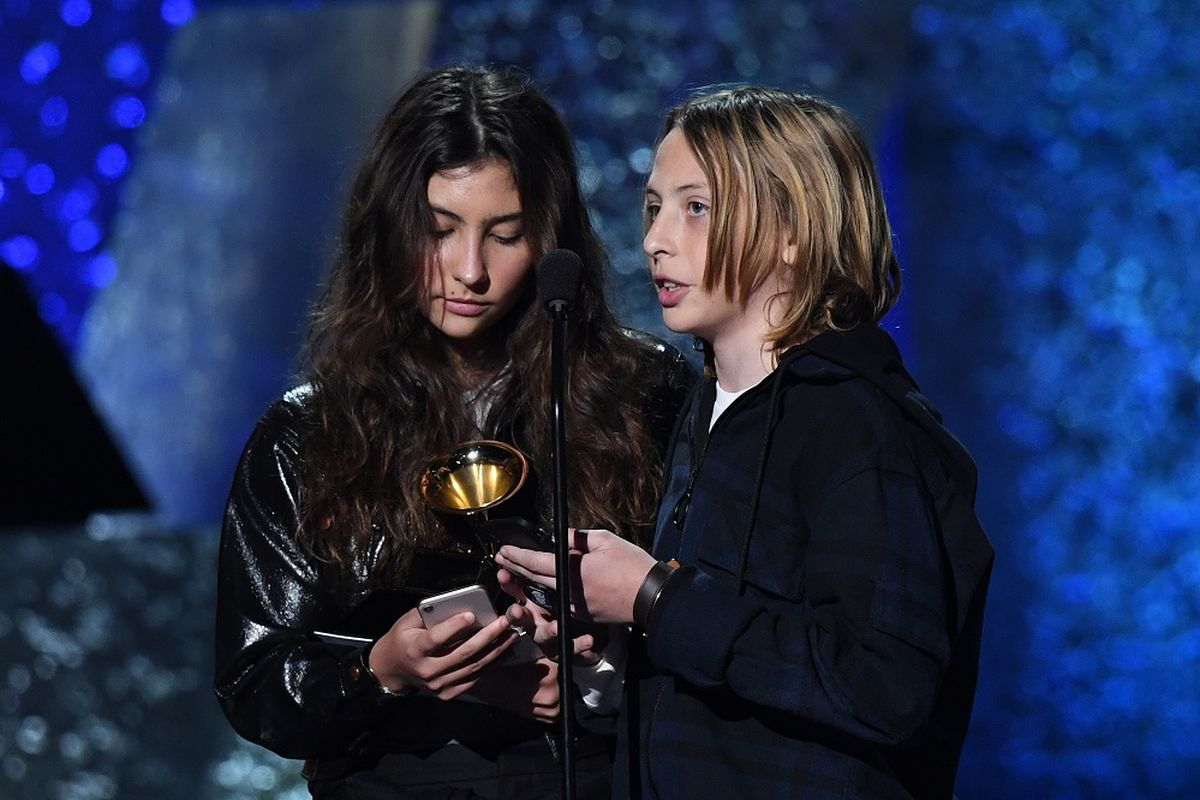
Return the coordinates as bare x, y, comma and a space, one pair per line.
724, 399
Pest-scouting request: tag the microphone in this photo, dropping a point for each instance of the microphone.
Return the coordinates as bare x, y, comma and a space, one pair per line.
558, 275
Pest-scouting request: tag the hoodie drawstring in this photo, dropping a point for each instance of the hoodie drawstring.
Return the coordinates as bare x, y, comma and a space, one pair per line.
776, 383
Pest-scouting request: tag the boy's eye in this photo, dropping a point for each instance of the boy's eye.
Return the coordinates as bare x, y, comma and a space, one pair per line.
651, 211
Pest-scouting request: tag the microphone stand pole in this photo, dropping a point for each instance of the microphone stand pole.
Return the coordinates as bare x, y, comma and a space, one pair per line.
566, 644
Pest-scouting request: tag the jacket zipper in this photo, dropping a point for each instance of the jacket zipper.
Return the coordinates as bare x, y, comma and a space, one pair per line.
678, 517
553, 747
680, 510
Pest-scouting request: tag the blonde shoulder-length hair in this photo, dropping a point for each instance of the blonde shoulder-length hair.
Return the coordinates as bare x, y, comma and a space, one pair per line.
791, 174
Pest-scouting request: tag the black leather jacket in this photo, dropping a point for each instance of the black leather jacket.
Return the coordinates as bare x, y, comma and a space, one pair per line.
278, 683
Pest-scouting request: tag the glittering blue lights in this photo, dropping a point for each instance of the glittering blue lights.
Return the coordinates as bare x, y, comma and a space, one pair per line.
99, 271
75, 12
20, 252
39, 179
177, 12
112, 161
127, 111
78, 201
83, 235
76, 93
1072, 193
12, 163
39, 62
1053, 258
127, 63
54, 113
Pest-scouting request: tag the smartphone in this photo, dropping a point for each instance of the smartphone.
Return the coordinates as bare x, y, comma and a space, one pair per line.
517, 531
474, 598
520, 532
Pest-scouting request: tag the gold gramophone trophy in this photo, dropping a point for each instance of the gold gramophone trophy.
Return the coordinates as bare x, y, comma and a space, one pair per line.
473, 480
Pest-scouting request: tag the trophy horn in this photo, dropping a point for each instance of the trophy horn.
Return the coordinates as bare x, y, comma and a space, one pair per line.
474, 477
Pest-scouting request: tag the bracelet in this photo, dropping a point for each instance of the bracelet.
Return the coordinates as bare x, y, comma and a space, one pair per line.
364, 680
651, 589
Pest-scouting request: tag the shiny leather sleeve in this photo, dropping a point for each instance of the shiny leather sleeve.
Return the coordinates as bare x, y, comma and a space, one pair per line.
279, 686
682, 380
667, 387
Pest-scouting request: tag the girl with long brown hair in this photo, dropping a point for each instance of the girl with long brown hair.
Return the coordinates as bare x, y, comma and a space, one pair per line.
427, 336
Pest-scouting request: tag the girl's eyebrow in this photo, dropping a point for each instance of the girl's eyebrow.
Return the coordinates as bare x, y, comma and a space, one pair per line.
488, 222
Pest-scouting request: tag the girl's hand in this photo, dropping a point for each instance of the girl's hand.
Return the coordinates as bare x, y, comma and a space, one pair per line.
445, 660
607, 573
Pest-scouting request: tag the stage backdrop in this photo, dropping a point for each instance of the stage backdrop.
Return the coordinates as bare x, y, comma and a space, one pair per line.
170, 173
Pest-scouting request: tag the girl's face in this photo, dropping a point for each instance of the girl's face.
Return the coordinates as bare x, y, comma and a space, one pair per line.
481, 256
678, 204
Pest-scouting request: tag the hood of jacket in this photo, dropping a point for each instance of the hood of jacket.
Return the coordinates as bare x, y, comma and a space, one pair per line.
865, 352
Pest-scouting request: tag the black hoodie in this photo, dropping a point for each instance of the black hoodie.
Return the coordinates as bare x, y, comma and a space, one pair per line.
821, 637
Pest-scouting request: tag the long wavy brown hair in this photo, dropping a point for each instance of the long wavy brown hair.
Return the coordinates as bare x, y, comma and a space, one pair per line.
386, 397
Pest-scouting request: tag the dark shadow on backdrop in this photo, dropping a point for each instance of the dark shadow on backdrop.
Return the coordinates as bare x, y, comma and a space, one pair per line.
57, 461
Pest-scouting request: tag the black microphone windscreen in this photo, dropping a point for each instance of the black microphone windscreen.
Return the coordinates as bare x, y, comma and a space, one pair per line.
558, 275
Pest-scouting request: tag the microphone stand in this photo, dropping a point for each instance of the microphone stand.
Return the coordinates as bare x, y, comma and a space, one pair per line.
566, 644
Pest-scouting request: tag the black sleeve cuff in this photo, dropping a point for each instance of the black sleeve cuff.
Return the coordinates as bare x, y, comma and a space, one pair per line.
360, 683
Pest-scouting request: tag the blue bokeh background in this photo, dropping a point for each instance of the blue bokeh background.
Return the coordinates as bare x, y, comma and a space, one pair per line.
170, 172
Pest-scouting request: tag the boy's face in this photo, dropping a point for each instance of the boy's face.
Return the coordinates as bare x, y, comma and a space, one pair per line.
678, 205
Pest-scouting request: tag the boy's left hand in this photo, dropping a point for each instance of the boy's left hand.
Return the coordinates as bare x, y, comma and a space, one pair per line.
607, 573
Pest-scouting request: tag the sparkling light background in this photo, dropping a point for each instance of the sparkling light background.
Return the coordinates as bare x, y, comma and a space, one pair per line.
1041, 166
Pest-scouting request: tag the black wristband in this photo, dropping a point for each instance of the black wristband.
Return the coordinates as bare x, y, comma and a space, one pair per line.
650, 591
361, 681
